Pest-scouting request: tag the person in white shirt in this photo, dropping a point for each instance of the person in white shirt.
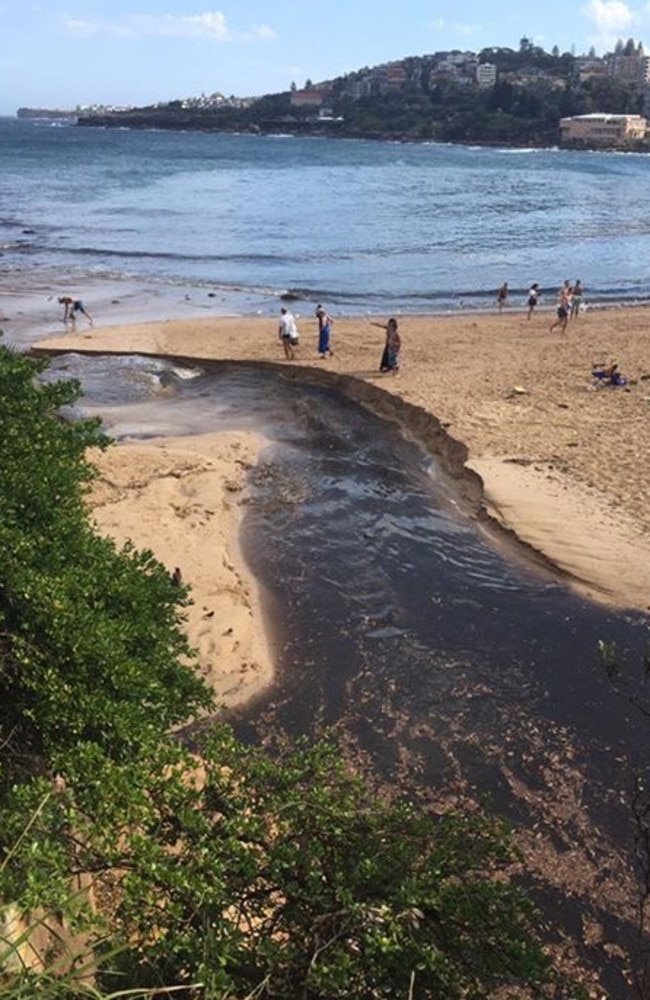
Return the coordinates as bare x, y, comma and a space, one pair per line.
288, 333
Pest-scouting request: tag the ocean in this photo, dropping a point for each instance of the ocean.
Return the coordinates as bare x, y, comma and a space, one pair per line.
230, 223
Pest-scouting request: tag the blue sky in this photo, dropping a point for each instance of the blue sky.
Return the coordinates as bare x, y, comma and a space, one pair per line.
62, 53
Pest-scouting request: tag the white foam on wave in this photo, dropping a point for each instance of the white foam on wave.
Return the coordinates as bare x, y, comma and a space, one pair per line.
186, 374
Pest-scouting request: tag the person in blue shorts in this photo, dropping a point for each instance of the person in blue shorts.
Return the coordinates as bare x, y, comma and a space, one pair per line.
71, 307
324, 331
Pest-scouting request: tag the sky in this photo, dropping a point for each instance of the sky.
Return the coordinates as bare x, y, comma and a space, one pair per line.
67, 53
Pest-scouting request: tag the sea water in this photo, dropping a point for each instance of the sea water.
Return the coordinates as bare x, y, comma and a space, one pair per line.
236, 221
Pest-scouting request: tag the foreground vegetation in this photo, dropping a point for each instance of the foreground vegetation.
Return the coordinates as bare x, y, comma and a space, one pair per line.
136, 867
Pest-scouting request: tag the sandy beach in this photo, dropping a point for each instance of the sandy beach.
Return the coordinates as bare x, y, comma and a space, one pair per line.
181, 499
563, 464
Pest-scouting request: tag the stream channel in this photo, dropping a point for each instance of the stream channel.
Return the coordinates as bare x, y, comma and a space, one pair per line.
447, 660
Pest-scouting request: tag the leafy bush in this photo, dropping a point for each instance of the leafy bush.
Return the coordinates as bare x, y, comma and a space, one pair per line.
90, 637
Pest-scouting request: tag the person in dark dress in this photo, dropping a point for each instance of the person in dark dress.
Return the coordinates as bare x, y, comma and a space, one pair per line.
390, 359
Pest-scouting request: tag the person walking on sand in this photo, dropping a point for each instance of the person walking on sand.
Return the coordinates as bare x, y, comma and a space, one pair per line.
288, 333
390, 359
533, 298
324, 331
71, 307
563, 309
502, 296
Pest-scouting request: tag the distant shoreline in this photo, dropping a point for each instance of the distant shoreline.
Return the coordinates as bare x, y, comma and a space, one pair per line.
317, 130
325, 129
47, 113
137, 121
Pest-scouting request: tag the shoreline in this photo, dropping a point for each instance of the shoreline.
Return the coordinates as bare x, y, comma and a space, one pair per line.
562, 465
29, 310
319, 130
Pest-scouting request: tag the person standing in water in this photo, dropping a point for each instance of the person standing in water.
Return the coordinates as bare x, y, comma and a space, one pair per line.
502, 296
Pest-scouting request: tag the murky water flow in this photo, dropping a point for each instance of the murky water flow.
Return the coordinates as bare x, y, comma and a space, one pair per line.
452, 664
388, 600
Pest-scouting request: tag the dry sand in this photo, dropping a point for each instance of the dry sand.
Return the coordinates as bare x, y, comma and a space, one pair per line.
563, 465
181, 499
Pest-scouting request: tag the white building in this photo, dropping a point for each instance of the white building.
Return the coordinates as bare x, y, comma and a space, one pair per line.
486, 75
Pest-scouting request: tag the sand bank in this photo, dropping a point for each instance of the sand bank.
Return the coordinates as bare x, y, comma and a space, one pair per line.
564, 465
181, 498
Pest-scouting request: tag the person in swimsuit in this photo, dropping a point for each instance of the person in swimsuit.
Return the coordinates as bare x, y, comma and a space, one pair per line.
533, 298
576, 299
563, 309
71, 307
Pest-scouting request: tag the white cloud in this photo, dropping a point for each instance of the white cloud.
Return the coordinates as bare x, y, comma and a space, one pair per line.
209, 25
438, 24
609, 15
614, 19
264, 33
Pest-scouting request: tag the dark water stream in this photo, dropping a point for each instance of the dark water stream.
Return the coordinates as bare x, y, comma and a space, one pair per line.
445, 660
